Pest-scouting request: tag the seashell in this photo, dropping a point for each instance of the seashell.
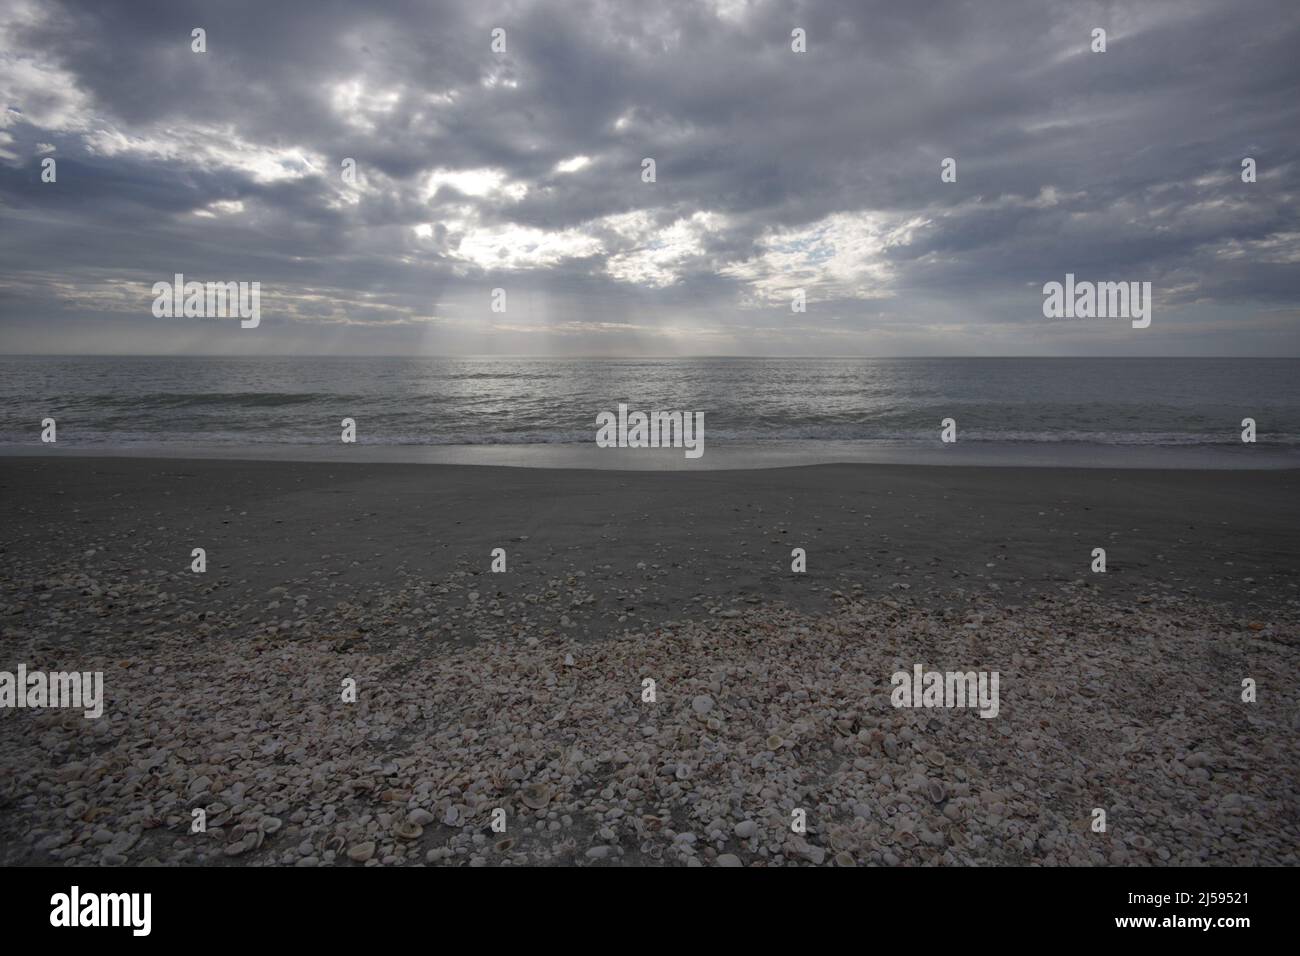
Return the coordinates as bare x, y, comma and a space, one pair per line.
844, 858
774, 742
907, 838
503, 846
241, 846
535, 796
361, 852
269, 824
936, 791
840, 838
408, 831
936, 758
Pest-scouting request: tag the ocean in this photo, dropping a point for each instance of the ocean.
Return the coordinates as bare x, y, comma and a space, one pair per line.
1138, 411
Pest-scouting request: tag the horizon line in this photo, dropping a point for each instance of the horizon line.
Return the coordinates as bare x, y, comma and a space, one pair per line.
561, 358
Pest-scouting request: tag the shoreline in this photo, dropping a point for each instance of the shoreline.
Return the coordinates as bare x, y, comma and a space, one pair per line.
732, 456
1226, 536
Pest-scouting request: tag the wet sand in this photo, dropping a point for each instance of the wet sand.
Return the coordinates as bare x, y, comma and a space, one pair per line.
656, 545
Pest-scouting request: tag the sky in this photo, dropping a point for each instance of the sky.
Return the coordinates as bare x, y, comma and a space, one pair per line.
775, 170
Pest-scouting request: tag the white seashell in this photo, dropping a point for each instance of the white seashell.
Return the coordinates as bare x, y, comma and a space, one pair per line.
535, 795
361, 852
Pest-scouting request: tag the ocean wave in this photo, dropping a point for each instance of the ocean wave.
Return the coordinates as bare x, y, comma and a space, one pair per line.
154, 400
411, 402
328, 434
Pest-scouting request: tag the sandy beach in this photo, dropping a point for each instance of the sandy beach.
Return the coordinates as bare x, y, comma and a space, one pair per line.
523, 690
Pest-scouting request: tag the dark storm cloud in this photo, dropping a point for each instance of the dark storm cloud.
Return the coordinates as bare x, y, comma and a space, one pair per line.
776, 170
